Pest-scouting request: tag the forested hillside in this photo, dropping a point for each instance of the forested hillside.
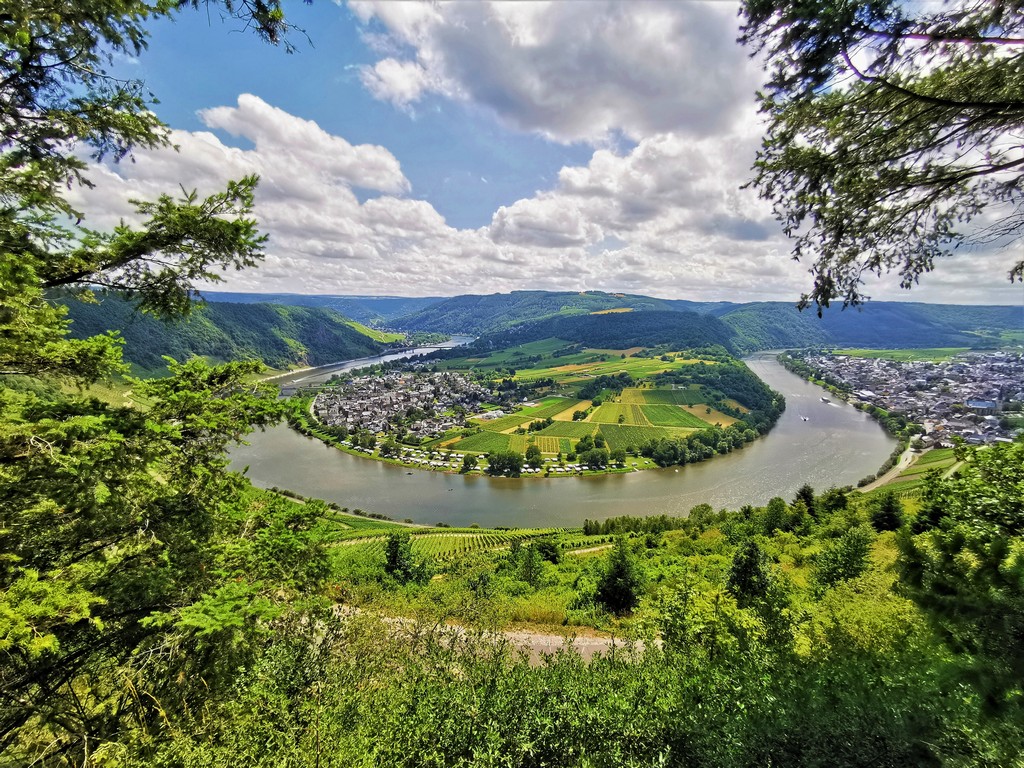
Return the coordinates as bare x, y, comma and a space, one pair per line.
377, 311
281, 336
620, 330
759, 325
498, 311
773, 325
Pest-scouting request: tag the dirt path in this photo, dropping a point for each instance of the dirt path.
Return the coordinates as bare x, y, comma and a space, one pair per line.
537, 645
905, 460
588, 550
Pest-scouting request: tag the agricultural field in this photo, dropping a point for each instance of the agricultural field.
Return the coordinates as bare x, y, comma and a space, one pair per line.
709, 415
643, 395
674, 416
631, 438
611, 413
571, 429
935, 355
572, 368
502, 423
483, 442
434, 544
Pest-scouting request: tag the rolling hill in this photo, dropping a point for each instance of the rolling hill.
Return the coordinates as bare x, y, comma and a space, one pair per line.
281, 336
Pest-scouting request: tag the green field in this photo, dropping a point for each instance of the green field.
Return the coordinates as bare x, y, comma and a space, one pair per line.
692, 396
630, 438
935, 355
671, 416
548, 407
571, 429
610, 413
504, 422
484, 442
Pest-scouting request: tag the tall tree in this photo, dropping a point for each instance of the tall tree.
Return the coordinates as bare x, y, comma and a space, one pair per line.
113, 563
890, 131
622, 582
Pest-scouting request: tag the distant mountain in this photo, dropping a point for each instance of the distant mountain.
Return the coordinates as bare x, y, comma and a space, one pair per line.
376, 311
495, 312
754, 326
281, 336
619, 330
772, 325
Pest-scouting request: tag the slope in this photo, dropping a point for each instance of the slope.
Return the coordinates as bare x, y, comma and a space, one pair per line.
280, 336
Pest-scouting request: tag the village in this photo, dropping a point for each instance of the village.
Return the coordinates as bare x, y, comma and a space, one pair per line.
968, 396
417, 405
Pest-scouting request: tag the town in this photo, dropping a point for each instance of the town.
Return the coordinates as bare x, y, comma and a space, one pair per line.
976, 396
411, 406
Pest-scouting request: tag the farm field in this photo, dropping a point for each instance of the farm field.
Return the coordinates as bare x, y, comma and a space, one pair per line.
632, 438
672, 416
611, 413
571, 429
484, 442
644, 396
714, 417
433, 544
572, 369
566, 415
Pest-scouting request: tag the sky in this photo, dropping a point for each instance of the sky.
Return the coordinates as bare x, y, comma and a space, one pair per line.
414, 149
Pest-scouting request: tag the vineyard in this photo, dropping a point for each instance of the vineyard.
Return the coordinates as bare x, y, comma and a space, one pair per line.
629, 413
484, 442
571, 429
433, 545
672, 416
631, 438
691, 396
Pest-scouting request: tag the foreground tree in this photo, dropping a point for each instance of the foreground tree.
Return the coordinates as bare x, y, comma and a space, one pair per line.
622, 582
967, 571
130, 562
889, 133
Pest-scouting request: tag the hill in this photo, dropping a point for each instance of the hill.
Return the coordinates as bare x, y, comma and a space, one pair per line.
281, 336
772, 325
498, 311
750, 327
619, 331
376, 311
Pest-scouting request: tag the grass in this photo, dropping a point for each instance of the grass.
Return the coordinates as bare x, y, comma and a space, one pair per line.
692, 396
935, 355
611, 413
571, 429
484, 442
380, 336
632, 438
672, 416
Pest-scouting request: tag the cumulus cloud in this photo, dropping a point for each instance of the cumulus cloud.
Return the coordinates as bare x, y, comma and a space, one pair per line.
665, 218
579, 71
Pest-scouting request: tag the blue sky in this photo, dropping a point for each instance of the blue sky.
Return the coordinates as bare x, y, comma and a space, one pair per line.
475, 147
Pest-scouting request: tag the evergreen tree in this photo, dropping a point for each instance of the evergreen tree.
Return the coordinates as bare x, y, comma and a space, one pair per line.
887, 512
749, 576
622, 582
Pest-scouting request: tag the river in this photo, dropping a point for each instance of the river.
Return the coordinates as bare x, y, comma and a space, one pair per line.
836, 445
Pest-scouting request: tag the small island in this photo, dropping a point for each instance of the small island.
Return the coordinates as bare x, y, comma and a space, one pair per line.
548, 408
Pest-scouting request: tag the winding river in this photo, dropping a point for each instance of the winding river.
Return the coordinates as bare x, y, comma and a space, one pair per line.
822, 443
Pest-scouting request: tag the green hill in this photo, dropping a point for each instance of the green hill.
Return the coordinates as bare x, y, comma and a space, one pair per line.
498, 311
377, 311
681, 330
281, 336
748, 327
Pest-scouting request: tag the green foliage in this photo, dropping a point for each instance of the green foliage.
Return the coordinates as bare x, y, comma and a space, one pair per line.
844, 559
887, 512
399, 562
622, 582
501, 462
873, 176
967, 572
280, 336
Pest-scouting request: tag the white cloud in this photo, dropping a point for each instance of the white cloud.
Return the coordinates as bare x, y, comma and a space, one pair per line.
665, 219
571, 71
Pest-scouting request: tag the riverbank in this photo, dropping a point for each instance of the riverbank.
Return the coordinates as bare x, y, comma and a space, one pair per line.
836, 446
